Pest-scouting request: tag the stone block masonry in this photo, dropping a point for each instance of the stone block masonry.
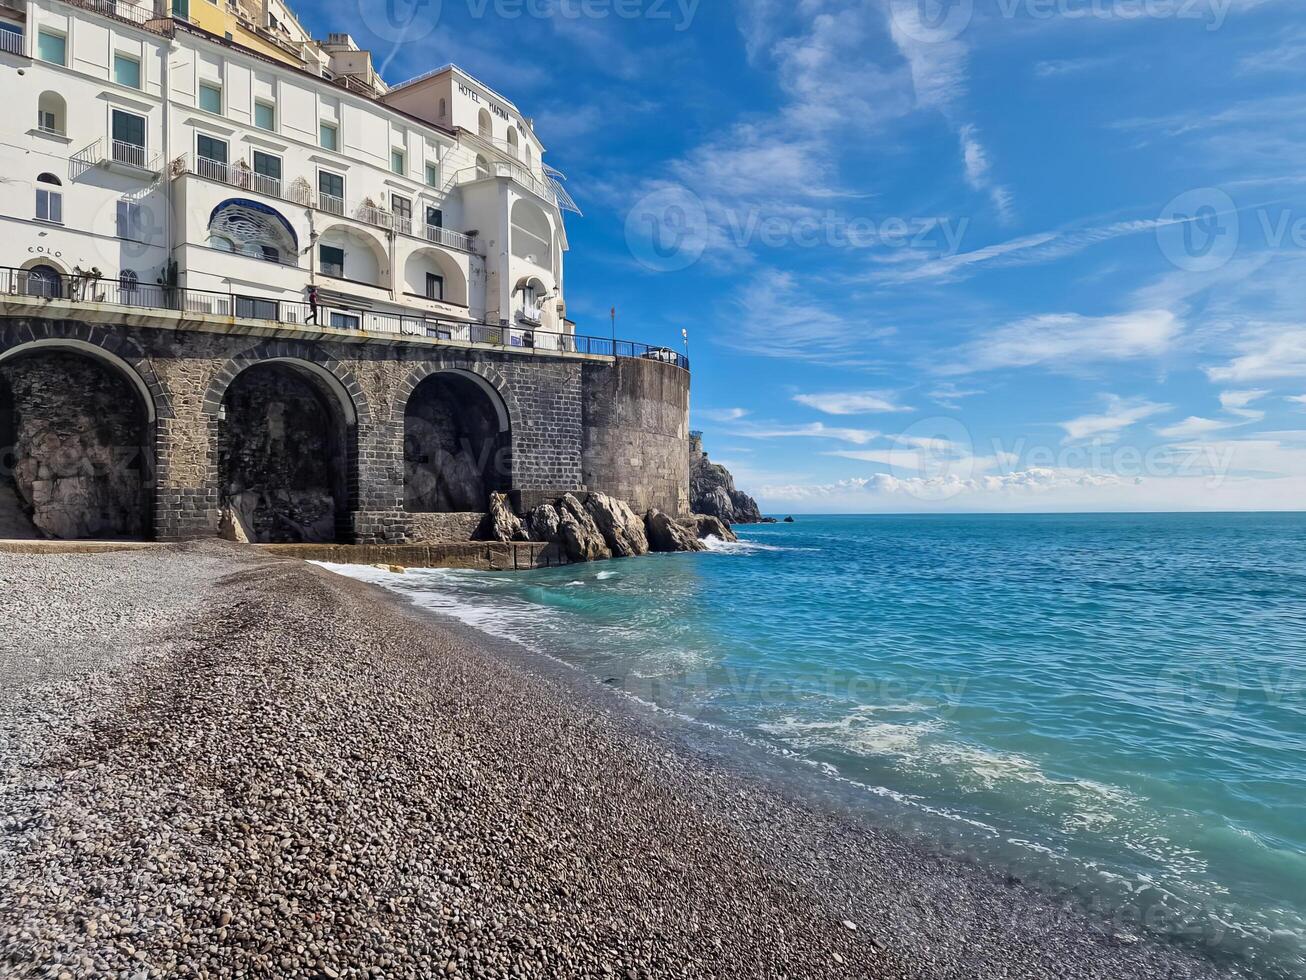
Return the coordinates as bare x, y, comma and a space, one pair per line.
567, 424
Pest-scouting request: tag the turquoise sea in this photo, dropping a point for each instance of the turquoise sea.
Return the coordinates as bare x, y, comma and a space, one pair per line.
1112, 705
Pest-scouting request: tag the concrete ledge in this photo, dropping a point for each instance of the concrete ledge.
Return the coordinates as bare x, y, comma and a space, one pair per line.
485, 556
48, 547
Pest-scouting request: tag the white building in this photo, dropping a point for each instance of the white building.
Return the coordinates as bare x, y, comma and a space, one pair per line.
174, 165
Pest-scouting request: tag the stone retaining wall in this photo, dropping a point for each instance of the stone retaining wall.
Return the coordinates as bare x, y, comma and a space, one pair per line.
574, 423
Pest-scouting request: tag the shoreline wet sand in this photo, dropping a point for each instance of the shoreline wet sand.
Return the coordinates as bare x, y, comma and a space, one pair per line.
218, 763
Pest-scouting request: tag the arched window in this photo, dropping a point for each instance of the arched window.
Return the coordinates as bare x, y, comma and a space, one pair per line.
530, 156
128, 280
514, 142
49, 202
486, 127
51, 113
482, 167
43, 280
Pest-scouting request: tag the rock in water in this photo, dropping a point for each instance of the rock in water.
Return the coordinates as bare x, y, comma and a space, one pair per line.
706, 526
712, 489
578, 534
664, 534
502, 524
544, 523
622, 531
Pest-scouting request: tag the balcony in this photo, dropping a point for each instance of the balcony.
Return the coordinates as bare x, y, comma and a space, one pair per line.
125, 158
239, 175
11, 42
140, 14
450, 239
20, 288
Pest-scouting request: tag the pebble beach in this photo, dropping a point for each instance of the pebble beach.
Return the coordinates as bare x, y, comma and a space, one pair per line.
218, 764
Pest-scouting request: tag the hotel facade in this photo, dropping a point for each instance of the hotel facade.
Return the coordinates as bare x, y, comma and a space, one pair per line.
212, 178
158, 153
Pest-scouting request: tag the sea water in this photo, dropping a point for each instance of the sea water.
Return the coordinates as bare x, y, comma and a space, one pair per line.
1111, 705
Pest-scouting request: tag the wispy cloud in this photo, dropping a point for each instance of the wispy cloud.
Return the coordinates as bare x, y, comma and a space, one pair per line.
978, 171
1070, 66
950, 395
1237, 402
810, 430
1267, 352
852, 402
1064, 341
1106, 426
1193, 427
721, 414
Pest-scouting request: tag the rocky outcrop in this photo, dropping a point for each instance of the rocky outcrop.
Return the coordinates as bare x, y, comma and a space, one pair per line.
502, 522
664, 534
579, 536
622, 530
543, 523
706, 526
712, 489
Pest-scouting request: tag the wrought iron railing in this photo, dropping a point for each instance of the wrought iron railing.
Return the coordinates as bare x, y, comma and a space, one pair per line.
142, 14
239, 176
42, 284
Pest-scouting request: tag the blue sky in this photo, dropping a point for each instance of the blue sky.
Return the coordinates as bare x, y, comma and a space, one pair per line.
1000, 255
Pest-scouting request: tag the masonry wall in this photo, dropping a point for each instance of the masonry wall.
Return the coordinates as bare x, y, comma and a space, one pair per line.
636, 433
575, 424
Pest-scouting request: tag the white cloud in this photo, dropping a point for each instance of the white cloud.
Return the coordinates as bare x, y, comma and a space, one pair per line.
852, 402
721, 414
1299, 399
1106, 426
810, 430
1061, 341
1236, 402
950, 395
976, 161
1192, 427
1268, 352
1069, 66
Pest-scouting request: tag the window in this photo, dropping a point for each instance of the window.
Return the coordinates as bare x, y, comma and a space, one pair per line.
485, 126
126, 71
270, 253
397, 161
328, 136
265, 116
345, 321
249, 308
432, 175
50, 113
128, 281
403, 209
444, 108
434, 218
181, 9
434, 286
49, 203
332, 260
52, 47
131, 224
331, 191
211, 97
128, 138
211, 148
44, 280
268, 166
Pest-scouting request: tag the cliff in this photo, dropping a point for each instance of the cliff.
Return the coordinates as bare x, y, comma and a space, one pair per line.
712, 489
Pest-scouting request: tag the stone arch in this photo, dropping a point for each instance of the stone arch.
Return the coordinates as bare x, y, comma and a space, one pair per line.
457, 441
78, 429
285, 451
336, 378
